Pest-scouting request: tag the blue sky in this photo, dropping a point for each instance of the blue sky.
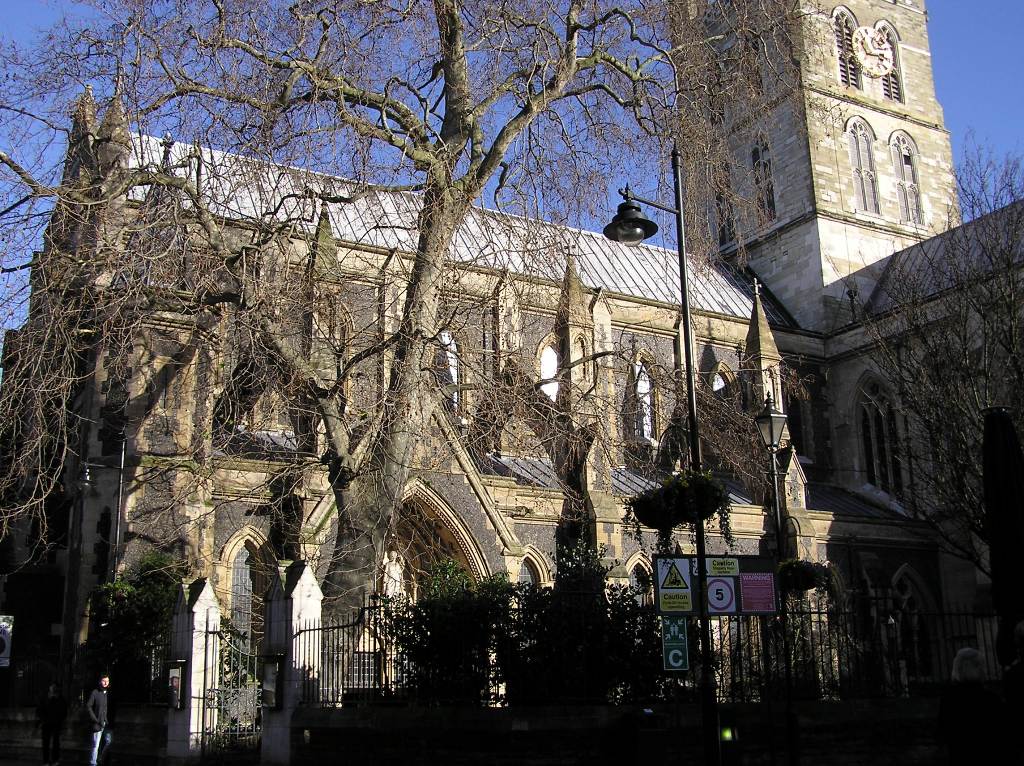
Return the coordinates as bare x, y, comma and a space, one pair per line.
975, 51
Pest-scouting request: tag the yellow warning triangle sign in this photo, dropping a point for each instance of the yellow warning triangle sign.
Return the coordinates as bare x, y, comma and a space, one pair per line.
673, 578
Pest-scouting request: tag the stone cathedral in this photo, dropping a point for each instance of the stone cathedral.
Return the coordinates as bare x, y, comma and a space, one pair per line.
855, 169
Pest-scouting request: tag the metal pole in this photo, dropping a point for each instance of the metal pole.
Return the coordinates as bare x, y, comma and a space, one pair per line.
792, 755
709, 703
116, 548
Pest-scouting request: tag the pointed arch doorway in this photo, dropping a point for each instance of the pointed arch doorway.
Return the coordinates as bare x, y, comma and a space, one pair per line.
427, 533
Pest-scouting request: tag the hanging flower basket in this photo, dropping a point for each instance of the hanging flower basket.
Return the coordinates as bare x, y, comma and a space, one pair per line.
796, 575
683, 498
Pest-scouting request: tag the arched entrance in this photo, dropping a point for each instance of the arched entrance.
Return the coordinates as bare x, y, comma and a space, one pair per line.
427, 533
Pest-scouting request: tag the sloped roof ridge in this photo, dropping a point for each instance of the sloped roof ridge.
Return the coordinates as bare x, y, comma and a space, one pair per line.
485, 236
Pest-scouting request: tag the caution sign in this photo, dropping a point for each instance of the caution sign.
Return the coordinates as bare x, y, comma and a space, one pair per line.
720, 566
674, 651
673, 591
6, 630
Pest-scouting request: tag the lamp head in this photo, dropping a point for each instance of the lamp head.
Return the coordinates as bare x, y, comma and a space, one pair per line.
770, 423
630, 226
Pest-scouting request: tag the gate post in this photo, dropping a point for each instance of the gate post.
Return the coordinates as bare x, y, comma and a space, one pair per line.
293, 604
196, 613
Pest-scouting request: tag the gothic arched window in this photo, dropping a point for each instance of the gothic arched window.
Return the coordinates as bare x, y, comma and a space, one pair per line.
248, 584
528, 573
862, 160
644, 391
892, 81
879, 435
904, 166
849, 67
764, 186
448, 366
548, 371
581, 354
642, 583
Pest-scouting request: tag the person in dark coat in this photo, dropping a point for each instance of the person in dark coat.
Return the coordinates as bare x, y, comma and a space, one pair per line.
50, 716
972, 718
98, 708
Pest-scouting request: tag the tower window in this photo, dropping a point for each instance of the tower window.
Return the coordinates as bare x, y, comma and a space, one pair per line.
892, 83
849, 67
862, 161
761, 161
904, 165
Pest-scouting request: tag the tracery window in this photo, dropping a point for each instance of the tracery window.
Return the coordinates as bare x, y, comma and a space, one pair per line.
892, 81
248, 583
764, 186
548, 371
721, 381
644, 391
849, 66
880, 441
528, 573
904, 165
448, 366
862, 160
642, 583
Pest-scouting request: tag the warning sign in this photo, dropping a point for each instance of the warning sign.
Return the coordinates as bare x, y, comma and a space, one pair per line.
673, 578
730, 567
758, 592
672, 584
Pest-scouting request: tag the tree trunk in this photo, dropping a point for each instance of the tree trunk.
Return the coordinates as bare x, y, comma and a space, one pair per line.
367, 516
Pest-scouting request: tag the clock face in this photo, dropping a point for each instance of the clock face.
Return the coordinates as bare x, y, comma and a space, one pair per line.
873, 51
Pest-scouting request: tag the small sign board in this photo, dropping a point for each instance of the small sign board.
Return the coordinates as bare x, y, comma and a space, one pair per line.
673, 592
674, 651
735, 584
6, 632
722, 595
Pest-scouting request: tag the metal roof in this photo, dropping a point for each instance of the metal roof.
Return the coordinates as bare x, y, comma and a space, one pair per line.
243, 188
950, 260
833, 499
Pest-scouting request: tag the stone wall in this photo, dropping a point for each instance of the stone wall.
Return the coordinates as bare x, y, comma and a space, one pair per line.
878, 732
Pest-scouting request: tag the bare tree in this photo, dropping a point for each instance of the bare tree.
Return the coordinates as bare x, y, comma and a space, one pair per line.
946, 327
207, 266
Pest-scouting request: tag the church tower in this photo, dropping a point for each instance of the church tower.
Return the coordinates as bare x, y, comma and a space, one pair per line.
859, 163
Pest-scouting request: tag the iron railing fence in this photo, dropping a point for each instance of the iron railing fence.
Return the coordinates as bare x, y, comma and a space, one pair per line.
351, 661
836, 654
571, 651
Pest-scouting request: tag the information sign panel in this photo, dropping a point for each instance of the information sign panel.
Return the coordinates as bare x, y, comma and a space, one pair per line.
675, 654
735, 584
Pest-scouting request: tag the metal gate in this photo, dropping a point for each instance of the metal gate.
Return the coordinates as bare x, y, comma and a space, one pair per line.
231, 701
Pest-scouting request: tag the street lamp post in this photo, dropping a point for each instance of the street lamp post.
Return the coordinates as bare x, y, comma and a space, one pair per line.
770, 423
630, 227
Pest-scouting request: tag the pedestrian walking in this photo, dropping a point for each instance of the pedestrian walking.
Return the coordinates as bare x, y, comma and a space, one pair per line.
98, 707
50, 716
